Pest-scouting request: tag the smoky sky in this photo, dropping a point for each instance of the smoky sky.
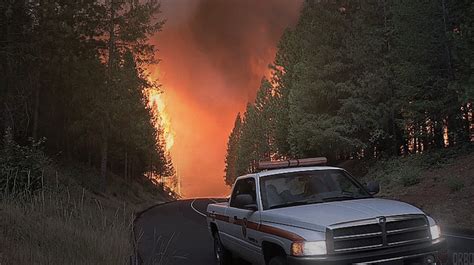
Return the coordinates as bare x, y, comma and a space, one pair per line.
233, 32
214, 54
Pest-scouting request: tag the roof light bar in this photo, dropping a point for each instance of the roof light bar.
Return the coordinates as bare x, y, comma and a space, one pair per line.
316, 161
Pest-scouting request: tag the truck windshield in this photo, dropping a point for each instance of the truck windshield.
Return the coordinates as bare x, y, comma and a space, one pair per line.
307, 187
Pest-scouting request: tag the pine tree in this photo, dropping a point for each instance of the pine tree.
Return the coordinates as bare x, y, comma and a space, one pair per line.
320, 80
369, 111
265, 108
128, 26
252, 138
459, 28
247, 150
422, 71
232, 152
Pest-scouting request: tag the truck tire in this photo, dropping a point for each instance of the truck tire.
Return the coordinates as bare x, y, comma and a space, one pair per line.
222, 255
278, 260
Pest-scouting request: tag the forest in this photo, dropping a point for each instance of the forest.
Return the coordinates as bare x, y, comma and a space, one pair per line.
73, 86
362, 79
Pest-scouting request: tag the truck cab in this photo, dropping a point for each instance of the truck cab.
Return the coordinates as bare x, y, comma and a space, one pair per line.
302, 212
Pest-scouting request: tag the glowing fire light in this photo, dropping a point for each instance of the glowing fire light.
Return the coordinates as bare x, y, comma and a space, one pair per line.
157, 103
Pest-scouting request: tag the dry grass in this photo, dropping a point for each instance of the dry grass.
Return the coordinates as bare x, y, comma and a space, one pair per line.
68, 224
55, 231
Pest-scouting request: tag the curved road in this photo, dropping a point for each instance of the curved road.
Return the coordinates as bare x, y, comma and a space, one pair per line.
176, 234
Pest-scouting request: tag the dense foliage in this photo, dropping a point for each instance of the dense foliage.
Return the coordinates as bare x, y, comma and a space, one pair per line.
363, 79
72, 72
21, 167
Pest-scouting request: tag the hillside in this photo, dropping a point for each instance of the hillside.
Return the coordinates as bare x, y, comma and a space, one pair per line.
441, 183
69, 221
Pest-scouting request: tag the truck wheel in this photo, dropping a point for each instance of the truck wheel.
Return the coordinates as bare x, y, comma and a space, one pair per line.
278, 260
222, 255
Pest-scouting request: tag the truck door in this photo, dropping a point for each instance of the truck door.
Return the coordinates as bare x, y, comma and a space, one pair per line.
245, 221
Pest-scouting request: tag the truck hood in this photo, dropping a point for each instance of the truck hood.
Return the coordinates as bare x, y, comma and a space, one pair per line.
319, 216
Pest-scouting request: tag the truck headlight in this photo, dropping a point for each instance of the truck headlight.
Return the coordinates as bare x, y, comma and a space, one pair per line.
435, 232
308, 248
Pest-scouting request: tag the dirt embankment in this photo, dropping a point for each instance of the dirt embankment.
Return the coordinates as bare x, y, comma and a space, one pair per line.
440, 182
446, 193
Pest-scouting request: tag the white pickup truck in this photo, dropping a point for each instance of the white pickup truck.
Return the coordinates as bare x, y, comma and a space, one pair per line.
301, 212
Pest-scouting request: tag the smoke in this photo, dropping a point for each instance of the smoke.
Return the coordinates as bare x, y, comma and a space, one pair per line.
214, 54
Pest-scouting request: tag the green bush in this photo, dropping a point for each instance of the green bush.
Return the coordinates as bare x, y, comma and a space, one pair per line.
409, 176
21, 167
395, 171
455, 184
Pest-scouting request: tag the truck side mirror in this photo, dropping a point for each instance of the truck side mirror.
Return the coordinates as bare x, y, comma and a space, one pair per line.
373, 187
251, 207
245, 201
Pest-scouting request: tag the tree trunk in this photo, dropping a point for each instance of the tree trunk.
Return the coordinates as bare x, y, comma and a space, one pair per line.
151, 165
111, 65
415, 144
467, 118
89, 156
129, 172
470, 120
111, 44
125, 170
396, 140
438, 134
103, 162
36, 106
446, 41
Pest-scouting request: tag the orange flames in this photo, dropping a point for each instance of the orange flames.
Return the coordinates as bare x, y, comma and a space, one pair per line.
157, 103
213, 55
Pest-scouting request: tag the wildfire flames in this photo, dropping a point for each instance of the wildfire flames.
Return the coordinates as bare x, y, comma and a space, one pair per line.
213, 56
157, 103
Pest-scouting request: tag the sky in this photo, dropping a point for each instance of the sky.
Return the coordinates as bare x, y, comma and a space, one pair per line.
214, 54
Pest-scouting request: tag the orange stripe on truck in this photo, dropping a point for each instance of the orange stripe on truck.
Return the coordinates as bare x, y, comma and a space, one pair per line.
219, 217
258, 227
280, 233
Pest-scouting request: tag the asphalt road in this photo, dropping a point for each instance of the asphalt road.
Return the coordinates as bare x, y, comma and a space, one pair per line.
176, 234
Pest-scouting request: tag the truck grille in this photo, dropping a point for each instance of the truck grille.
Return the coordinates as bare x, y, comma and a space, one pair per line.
378, 233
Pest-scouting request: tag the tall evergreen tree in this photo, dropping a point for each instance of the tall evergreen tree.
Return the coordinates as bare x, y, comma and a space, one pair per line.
321, 78
369, 111
232, 152
459, 28
252, 140
423, 72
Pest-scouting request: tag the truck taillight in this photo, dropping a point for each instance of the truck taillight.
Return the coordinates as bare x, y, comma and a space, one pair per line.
316, 161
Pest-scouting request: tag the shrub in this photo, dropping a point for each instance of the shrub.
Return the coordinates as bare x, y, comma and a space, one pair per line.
455, 184
396, 171
409, 176
21, 167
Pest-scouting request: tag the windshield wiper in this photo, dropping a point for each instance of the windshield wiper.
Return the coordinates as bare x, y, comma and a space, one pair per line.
288, 204
342, 197
295, 203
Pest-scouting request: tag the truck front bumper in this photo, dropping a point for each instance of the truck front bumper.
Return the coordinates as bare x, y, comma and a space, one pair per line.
401, 255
